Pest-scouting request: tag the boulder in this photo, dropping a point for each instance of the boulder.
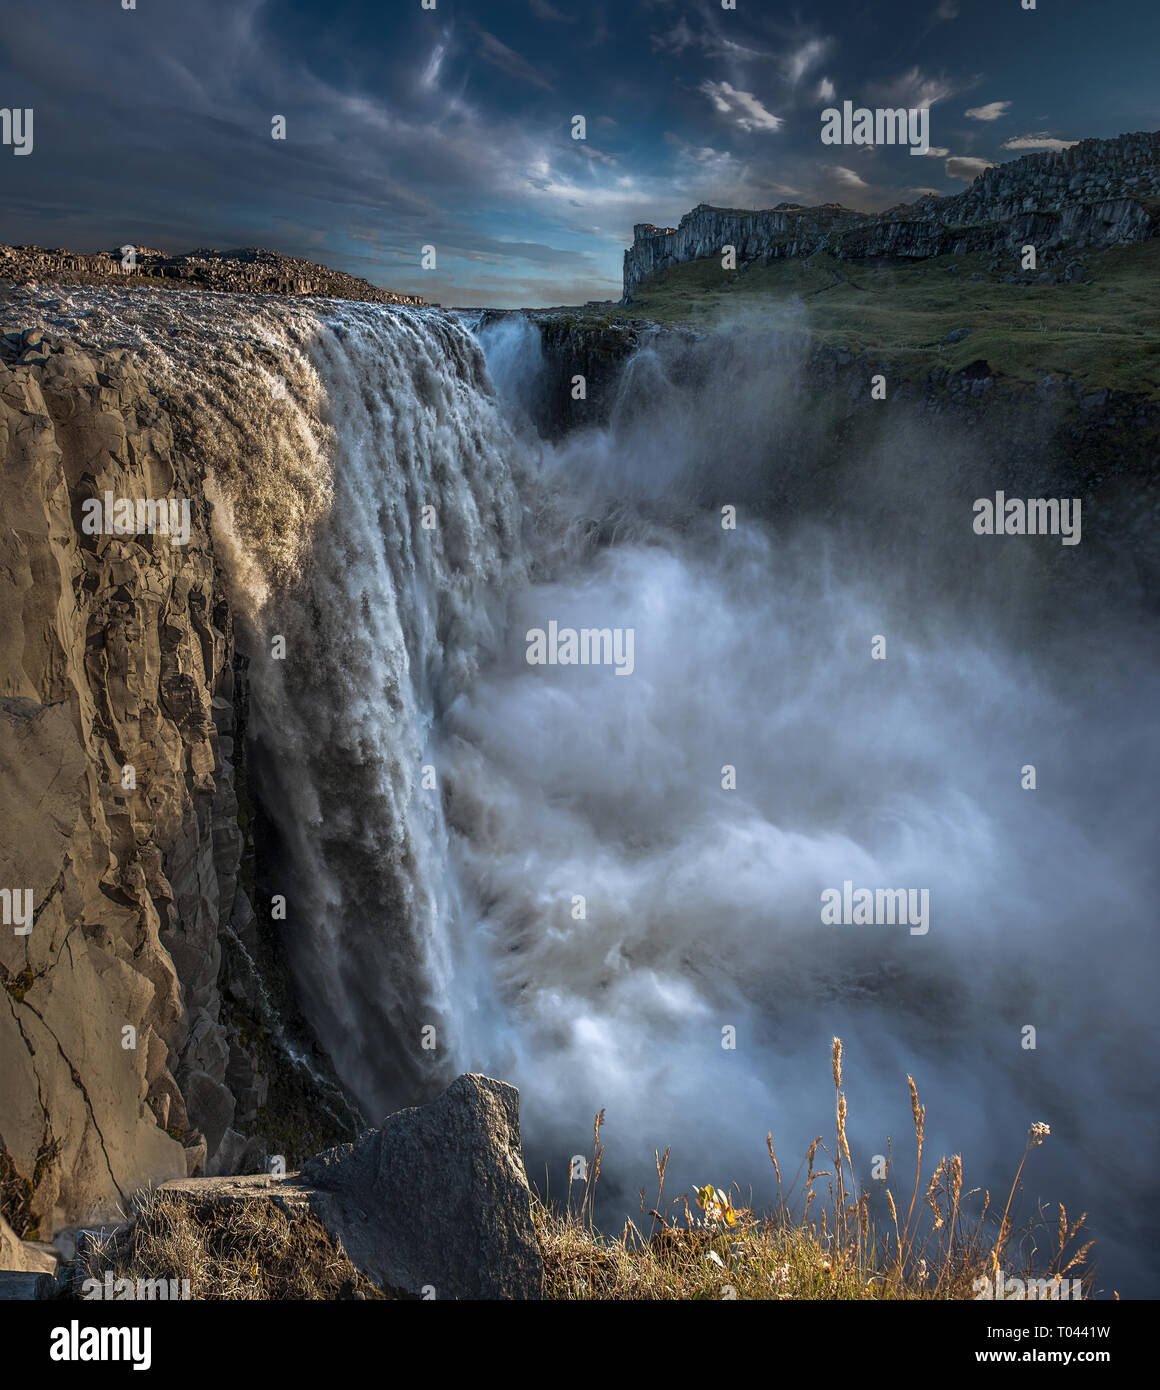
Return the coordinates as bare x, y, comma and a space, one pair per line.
21, 1256
437, 1198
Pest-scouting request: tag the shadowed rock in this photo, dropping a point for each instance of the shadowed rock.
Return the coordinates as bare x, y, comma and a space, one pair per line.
437, 1198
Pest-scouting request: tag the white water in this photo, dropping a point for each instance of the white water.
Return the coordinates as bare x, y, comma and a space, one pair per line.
453, 907
753, 649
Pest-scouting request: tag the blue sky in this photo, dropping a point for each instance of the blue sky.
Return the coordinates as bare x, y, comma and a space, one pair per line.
452, 127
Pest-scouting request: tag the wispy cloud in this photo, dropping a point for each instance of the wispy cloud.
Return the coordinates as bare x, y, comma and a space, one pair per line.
708, 40
991, 112
912, 89
967, 167
542, 10
1042, 141
742, 108
431, 72
802, 59
849, 178
499, 55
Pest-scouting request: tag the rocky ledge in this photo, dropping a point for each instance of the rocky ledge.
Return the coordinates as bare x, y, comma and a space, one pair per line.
250, 270
434, 1204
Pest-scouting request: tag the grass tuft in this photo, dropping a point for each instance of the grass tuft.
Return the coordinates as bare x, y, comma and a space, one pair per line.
841, 1243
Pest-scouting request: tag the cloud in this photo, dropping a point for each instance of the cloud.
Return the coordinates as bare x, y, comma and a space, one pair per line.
825, 90
681, 37
802, 59
911, 90
948, 9
849, 178
936, 152
991, 112
434, 63
542, 10
742, 108
678, 38
967, 167
508, 60
1042, 141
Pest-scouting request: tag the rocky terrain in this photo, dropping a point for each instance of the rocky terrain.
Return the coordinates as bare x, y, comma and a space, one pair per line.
434, 1204
120, 698
1097, 193
250, 270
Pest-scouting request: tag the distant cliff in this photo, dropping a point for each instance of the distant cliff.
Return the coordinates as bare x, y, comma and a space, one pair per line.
1098, 193
250, 270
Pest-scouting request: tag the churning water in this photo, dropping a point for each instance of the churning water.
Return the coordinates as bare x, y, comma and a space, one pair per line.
549, 864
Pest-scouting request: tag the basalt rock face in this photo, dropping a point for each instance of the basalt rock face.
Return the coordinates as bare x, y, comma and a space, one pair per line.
250, 270
117, 799
1097, 193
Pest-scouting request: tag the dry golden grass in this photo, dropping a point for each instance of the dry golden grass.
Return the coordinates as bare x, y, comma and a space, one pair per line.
827, 1238
816, 1244
247, 1250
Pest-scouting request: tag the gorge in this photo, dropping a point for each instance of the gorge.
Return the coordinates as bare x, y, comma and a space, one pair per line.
328, 702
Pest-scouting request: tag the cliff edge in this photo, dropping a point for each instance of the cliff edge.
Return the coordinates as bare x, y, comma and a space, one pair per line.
1098, 193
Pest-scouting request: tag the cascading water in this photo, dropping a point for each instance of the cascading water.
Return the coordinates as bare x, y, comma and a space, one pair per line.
576, 900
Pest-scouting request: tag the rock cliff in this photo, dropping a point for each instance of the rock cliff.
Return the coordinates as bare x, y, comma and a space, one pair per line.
118, 706
1097, 193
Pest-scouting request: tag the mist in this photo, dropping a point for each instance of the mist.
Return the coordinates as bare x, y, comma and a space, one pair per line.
702, 905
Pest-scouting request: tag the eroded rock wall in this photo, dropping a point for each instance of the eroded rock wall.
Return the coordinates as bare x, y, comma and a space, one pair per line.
1097, 193
115, 654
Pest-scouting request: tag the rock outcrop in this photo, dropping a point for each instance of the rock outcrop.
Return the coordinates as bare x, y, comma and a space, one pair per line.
249, 270
433, 1204
437, 1198
20, 1256
1097, 193
117, 800
123, 1060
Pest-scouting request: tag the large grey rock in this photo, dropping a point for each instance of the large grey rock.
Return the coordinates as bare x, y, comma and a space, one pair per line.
437, 1199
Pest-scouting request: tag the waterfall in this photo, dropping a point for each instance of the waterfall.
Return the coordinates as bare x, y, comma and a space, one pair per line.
365, 506
576, 896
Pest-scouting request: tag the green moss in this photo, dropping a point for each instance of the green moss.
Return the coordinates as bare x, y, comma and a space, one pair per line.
18, 985
1105, 334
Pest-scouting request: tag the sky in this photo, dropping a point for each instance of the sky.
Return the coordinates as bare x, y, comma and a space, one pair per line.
451, 125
